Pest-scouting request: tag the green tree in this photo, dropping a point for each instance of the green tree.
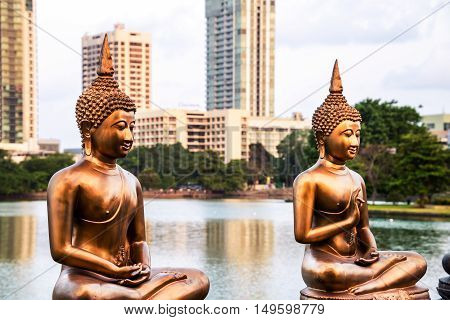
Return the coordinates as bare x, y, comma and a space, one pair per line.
14, 179
375, 163
149, 179
384, 122
383, 126
261, 164
38, 180
234, 176
421, 167
168, 182
166, 160
297, 152
47, 166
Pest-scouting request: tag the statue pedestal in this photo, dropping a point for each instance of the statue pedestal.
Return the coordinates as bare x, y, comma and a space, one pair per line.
409, 293
444, 288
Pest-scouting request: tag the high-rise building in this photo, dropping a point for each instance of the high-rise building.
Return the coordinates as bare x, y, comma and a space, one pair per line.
18, 101
131, 54
240, 39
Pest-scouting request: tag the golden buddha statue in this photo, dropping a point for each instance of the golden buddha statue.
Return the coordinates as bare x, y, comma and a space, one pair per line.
96, 210
341, 259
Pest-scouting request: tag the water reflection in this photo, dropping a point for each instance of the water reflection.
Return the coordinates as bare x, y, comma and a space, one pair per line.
238, 253
175, 237
17, 237
237, 241
233, 252
247, 248
425, 241
240, 241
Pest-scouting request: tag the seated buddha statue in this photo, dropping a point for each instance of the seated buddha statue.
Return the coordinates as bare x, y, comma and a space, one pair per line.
96, 209
341, 259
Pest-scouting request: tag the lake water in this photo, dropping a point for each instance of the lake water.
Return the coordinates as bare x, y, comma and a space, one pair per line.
246, 247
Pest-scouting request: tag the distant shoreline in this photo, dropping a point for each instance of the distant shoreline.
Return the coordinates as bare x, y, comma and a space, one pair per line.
282, 194
388, 211
400, 211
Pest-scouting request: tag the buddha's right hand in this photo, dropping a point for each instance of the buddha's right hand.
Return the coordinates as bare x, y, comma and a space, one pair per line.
128, 272
353, 211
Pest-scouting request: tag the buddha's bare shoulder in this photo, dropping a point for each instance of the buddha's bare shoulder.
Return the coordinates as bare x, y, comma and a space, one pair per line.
356, 176
68, 177
131, 178
306, 178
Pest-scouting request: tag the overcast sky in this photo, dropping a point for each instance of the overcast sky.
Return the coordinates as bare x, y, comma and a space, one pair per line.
414, 69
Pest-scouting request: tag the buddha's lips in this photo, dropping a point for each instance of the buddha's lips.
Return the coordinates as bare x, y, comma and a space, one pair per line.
126, 146
353, 150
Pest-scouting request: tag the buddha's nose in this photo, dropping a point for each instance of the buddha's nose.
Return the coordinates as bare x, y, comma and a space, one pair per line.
128, 135
354, 141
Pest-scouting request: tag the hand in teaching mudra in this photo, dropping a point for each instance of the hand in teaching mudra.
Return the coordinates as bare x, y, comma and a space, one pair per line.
372, 254
353, 211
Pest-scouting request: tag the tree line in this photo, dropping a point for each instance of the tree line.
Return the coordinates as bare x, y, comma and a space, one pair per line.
399, 160
30, 175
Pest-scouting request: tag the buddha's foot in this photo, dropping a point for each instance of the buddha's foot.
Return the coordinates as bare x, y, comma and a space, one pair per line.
173, 275
377, 284
369, 287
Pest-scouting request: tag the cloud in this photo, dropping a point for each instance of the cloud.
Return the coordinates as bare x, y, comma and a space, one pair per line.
177, 70
431, 74
309, 36
430, 70
304, 23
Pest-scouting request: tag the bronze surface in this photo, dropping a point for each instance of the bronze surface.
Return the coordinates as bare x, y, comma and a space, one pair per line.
444, 283
331, 216
96, 210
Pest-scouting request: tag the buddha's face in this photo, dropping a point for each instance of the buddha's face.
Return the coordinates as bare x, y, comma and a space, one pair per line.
114, 137
343, 142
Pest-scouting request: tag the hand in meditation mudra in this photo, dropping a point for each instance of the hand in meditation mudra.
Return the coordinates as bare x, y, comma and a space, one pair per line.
341, 259
96, 210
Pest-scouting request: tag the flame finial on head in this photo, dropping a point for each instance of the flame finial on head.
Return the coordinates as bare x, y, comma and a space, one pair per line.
336, 82
103, 96
334, 109
105, 64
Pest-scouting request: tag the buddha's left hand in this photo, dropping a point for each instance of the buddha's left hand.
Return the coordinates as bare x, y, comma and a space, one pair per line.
370, 257
141, 277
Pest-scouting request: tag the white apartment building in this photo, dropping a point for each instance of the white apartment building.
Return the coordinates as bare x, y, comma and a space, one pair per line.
228, 132
439, 125
196, 130
131, 54
269, 131
18, 88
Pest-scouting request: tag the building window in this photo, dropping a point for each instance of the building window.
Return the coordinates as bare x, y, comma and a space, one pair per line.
29, 5
430, 125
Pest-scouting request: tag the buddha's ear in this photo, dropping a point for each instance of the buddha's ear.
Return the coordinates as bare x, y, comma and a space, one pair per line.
86, 129
321, 143
320, 137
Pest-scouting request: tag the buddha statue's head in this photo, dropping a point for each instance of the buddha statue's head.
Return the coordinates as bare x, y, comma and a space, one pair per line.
105, 114
336, 124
